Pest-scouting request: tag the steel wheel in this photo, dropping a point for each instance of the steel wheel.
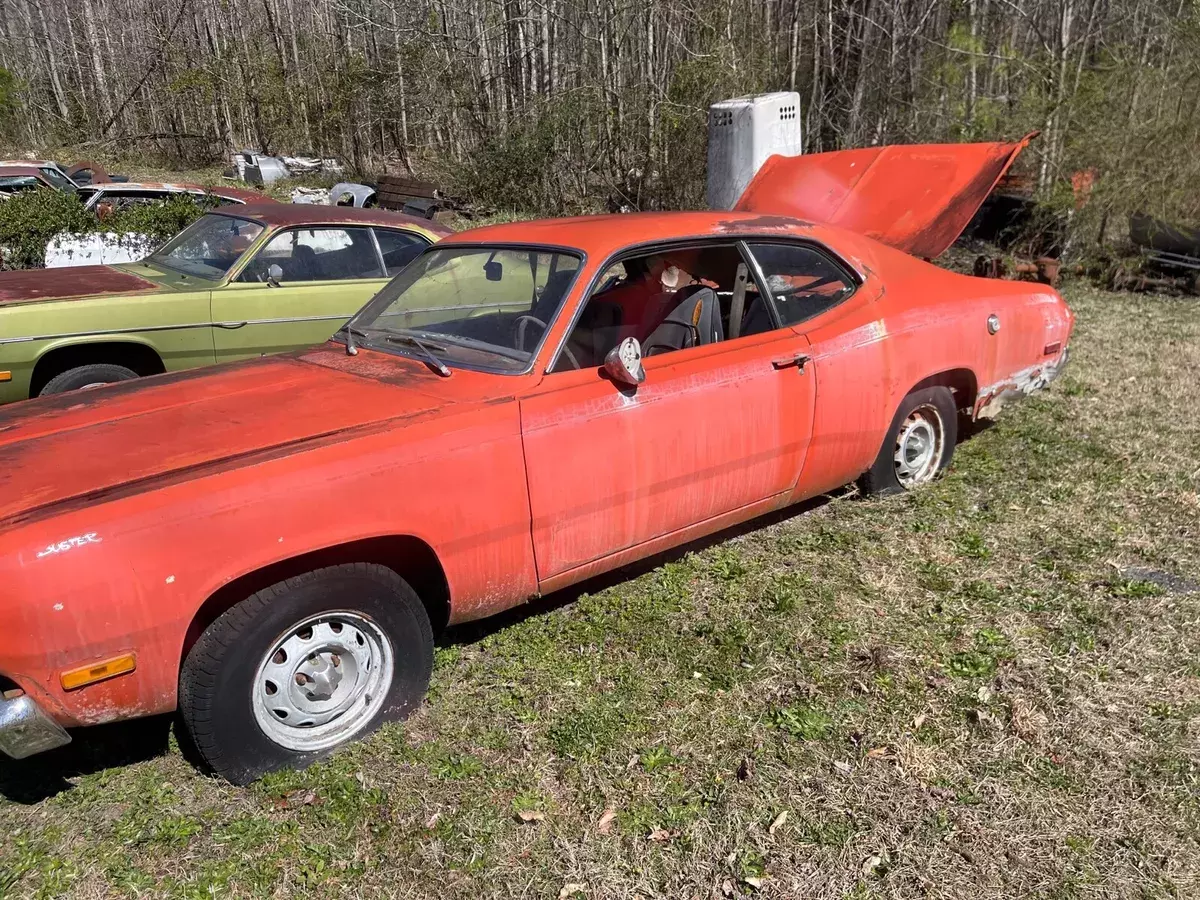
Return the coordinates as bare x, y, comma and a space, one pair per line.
321, 681
919, 446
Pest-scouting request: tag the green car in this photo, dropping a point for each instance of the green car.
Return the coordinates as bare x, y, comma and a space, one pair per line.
237, 283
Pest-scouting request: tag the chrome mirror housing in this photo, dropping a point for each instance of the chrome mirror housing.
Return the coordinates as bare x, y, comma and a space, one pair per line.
623, 364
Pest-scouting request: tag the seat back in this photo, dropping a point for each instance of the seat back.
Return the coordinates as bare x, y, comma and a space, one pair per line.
757, 318
695, 320
304, 265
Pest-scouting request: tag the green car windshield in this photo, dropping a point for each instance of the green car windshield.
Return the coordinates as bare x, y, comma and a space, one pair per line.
485, 307
208, 247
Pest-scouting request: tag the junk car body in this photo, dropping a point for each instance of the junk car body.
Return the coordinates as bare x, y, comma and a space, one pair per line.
269, 546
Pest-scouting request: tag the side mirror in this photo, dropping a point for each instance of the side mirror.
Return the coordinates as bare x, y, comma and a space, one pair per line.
624, 363
274, 274
492, 270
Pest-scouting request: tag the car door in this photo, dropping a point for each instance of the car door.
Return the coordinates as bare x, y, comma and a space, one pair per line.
822, 298
327, 274
716, 432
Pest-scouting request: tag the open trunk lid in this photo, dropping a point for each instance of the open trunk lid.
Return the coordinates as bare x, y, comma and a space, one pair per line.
915, 197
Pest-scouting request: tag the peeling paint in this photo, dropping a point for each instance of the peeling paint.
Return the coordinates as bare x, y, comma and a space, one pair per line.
995, 397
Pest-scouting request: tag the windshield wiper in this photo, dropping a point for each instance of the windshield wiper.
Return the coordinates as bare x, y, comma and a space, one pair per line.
351, 331
434, 363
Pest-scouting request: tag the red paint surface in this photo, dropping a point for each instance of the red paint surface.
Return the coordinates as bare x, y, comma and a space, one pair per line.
19, 171
517, 483
24, 285
917, 198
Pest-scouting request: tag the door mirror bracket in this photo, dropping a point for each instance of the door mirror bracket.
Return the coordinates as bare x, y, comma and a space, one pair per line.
623, 364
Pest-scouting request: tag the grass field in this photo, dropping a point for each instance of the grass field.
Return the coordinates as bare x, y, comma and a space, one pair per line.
988, 688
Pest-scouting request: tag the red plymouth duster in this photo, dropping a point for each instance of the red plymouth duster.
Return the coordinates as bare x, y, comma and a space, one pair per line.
270, 546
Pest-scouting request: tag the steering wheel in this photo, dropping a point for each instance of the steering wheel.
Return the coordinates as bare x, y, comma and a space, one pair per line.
522, 323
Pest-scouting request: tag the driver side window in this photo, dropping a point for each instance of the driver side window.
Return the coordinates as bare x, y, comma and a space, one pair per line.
316, 254
668, 300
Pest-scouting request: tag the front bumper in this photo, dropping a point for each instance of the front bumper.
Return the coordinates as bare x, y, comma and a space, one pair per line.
25, 729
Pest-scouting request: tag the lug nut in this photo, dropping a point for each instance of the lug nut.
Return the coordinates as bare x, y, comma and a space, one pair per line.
335, 659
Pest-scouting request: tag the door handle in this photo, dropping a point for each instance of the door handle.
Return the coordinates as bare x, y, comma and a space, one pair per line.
799, 361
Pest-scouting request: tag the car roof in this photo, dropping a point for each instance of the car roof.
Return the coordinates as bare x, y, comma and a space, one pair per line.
293, 214
607, 233
12, 169
245, 195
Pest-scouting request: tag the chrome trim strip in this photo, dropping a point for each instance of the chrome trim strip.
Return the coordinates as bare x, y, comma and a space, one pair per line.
153, 328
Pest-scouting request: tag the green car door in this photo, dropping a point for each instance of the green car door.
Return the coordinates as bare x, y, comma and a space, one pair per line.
302, 284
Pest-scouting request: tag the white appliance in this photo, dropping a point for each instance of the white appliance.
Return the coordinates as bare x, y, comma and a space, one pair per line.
742, 133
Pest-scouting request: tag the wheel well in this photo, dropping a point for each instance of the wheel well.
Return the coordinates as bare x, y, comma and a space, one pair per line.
142, 359
409, 557
961, 382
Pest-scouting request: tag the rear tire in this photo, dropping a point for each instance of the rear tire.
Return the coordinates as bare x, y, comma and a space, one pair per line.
919, 443
83, 377
303, 667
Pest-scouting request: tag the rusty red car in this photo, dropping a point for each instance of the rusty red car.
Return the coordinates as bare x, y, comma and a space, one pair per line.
269, 547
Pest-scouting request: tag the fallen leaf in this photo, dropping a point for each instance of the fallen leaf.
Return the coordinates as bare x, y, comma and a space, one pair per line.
746, 770
778, 823
571, 889
661, 834
604, 826
919, 721
433, 820
755, 882
296, 798
878, 753
844, 767
528, 816
727, 888
871, 863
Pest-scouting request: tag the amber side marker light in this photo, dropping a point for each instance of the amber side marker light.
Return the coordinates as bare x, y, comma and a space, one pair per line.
101, 671
5, 376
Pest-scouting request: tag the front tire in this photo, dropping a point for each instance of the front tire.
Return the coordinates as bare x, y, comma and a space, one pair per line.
918, 445
82, 378
303, 667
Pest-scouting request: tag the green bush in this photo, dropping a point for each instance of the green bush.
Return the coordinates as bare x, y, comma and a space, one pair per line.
160, 221
29, 220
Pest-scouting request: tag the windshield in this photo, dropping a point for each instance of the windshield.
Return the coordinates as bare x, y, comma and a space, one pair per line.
17, 182
208, 247
57, 179
488, 307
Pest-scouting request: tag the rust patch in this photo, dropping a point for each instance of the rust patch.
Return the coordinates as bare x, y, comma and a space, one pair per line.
995, 397
23, 286
765, 222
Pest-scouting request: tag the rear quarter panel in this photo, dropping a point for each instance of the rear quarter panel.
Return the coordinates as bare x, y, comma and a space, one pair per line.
455, 480
910, 322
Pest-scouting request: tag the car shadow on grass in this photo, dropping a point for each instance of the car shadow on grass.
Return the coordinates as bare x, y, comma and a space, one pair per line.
470, 632
93, 749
